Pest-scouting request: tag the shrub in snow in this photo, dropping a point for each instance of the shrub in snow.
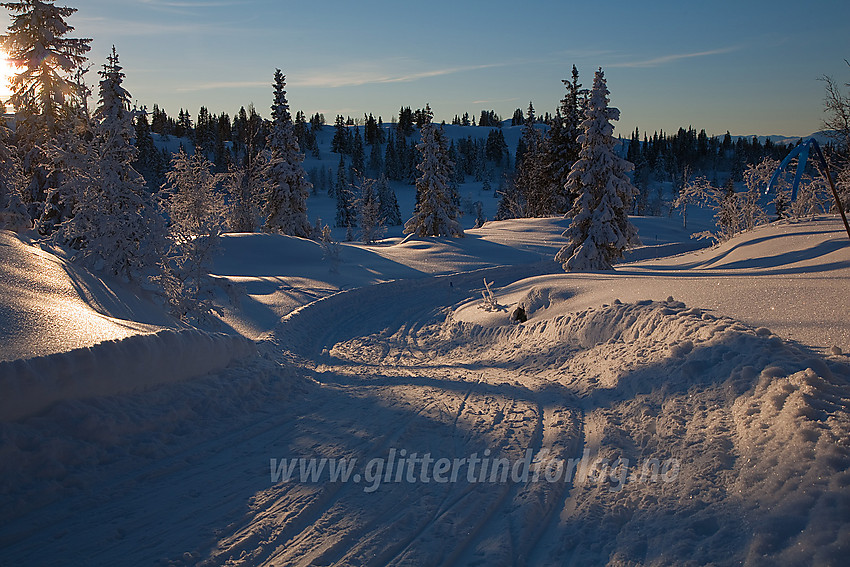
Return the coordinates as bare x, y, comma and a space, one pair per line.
286, 199
488, 300
734, 211
842, 185
13, 213
436, 212
600, 230
813, 197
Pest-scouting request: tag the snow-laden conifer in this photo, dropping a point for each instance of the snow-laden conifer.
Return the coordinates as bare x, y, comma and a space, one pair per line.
195, 209
115, 222
389, 210
286, 200
372, 224
600, 230
49, 96
37, 41
435, 213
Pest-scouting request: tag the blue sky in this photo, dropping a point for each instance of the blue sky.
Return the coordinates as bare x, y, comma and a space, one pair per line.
748, 66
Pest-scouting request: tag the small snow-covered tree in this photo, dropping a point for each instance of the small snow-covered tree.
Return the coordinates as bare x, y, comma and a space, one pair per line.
115, 222
195, 210
695, 191
756, 178
286, 200
600, 230
435, 213
245, 185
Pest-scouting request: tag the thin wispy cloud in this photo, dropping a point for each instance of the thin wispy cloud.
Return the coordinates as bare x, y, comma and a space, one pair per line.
223, 85
190, 4
372, 74
495, 101
666, 59
106, 26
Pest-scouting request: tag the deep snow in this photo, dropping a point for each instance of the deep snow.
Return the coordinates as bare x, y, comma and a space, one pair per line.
724, 408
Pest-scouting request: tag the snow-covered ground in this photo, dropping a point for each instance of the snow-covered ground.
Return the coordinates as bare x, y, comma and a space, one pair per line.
686, 409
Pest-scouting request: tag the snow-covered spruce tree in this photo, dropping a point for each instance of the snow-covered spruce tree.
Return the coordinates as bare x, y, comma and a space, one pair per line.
346, 216
435, 213
286, 200
115, 222
37, 42
389, 210
372, 224
537, 200
195, 210
561, 146
149, 162
600, 230
44, 92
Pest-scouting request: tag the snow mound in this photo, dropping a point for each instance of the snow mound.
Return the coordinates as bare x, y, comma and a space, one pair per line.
117, 366
49, 304
756, 427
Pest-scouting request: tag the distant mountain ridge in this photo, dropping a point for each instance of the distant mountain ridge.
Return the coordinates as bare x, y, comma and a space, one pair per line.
822, 137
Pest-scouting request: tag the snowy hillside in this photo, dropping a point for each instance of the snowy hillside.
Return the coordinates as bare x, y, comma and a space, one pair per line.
689, 408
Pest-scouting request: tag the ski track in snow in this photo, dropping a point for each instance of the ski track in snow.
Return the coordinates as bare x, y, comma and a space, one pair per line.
179, 474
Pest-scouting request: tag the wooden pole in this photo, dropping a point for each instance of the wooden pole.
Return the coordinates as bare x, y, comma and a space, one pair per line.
825, 172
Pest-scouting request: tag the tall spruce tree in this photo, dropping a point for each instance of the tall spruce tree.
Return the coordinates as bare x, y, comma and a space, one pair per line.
48, 92
345, 214
38, 42
561, 146
536, 196
115, 222
149, 161
389, 210
286, 201
600, 230
436, 212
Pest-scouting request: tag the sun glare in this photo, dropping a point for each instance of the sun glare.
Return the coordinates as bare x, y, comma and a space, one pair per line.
7, 69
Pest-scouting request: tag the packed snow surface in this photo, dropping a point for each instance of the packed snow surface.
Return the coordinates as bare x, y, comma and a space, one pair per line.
686, 409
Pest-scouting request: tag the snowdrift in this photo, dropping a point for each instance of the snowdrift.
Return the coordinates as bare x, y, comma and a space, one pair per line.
112, 367
48, 304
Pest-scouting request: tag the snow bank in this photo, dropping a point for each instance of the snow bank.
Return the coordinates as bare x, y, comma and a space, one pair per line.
112, 367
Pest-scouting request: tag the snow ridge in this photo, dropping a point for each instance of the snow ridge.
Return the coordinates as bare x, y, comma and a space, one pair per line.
113, 367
